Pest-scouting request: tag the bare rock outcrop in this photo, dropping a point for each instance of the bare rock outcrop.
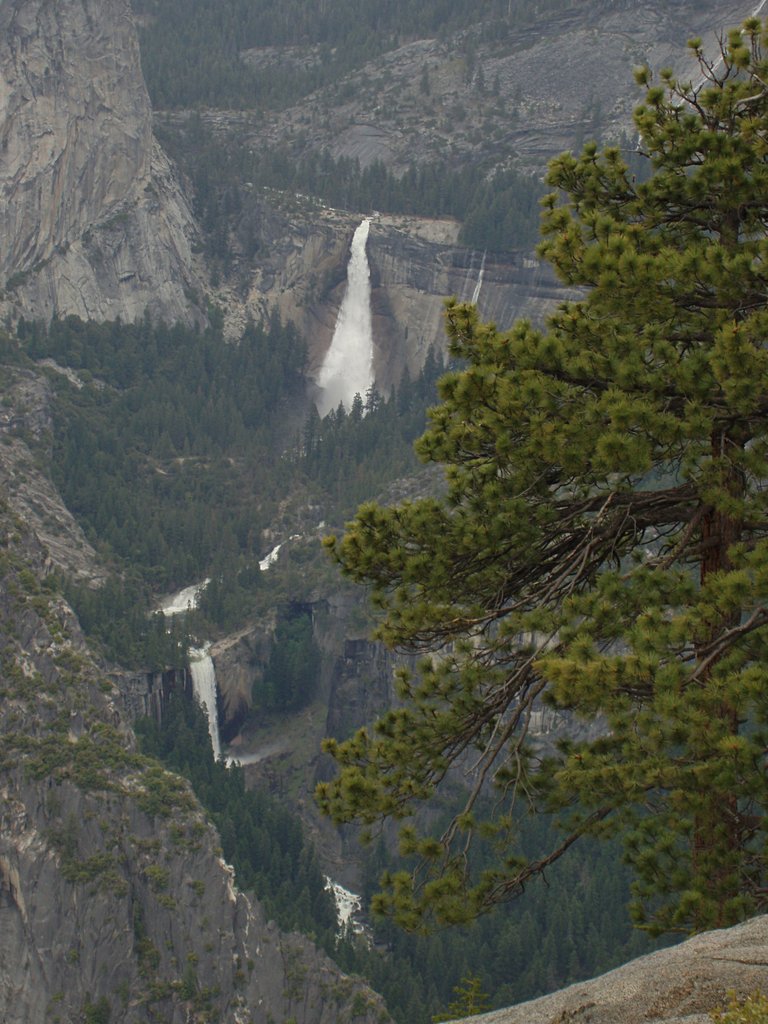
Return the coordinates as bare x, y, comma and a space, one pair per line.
680, 985
526, 92
413, 271
92, 221
415, 264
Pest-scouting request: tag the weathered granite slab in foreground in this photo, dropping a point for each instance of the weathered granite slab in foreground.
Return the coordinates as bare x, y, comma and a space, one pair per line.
681, 985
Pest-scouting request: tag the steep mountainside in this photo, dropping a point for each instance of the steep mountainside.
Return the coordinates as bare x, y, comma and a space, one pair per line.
26, 432
92, 221
114, 898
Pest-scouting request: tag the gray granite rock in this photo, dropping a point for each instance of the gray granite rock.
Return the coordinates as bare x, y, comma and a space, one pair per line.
92, 221
680, 985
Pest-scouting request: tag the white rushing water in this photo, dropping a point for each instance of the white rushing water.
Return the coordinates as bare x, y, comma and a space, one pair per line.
270, 559
185, 600
201, 666
347, 369
479, 285
204, 689
348, 905
200, 663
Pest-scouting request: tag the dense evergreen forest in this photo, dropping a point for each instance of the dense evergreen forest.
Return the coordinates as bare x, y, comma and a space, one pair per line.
171, 451
575, 927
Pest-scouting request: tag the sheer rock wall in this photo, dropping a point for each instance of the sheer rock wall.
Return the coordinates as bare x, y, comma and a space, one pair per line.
92, 221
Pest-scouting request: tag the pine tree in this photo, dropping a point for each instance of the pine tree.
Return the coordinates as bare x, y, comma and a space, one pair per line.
470, 999
603, 542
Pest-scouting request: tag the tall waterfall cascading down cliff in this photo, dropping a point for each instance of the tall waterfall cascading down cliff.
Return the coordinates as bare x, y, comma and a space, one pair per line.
204, 688
200, 662
347, 369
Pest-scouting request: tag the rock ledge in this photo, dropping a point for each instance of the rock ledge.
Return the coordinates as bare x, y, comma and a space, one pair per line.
681, 985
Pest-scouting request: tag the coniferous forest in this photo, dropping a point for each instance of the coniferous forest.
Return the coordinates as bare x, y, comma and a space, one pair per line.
172, 455
191, 56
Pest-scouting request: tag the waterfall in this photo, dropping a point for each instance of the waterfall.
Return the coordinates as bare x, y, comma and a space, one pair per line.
348, 906
347, 369
200, 662
479, 285
468, 277
204, 689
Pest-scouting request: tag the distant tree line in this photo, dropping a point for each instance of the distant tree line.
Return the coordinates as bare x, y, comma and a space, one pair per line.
117, 616
353, 454
290, 676
161, 454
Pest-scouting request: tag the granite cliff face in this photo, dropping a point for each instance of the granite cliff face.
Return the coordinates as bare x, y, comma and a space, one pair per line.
112, 890
505, 98
113, 893
92, 221
415, 264
511, 94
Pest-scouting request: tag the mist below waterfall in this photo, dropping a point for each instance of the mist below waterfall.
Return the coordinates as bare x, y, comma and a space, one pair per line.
347, 369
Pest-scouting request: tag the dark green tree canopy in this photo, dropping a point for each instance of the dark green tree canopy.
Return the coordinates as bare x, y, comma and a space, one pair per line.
603, 542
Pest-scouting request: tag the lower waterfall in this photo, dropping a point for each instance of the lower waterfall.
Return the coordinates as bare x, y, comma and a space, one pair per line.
204, 689
201, 666
200, 662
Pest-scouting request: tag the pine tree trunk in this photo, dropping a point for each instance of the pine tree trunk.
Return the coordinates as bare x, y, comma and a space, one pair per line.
719, 531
